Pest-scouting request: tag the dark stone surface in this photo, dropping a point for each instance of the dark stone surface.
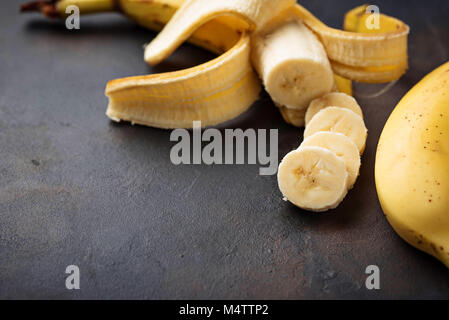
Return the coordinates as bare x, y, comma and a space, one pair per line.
78, 189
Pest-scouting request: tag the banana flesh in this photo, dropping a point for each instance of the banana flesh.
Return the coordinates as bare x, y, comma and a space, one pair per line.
343, 147
313, 178
333, 99
294, 76
341, 132
340, 120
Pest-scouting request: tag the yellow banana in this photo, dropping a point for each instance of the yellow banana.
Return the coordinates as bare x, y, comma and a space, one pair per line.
358, 52
212, 93
218, 26
412, 166
295, 76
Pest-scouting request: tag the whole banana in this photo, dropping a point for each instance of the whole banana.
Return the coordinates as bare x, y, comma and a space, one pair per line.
412, 166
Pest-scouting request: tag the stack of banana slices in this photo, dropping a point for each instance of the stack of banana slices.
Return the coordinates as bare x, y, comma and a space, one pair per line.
318, 175
300, 61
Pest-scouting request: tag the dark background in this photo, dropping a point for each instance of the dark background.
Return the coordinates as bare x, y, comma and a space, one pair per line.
77, 189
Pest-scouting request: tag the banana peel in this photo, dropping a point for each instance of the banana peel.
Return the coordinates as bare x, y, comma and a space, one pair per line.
214, 92
220, 27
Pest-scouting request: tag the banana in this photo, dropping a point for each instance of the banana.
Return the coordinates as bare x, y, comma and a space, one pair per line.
212, 93
215, 92
313, 178
295, 76
217, 26
333, 99
412, 166
340, 120
358, 53
342, 146
292, 77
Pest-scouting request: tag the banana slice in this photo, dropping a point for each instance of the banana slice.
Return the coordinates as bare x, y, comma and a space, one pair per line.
342, 146
335, 119
292, 64
333, 99
313, 179
294, 117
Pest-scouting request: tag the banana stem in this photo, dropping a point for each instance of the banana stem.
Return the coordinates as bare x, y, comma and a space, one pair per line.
46, 7
57, 8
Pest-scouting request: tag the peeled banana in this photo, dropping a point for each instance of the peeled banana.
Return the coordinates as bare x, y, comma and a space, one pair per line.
294, 76
412, 166
292, 64
218, 26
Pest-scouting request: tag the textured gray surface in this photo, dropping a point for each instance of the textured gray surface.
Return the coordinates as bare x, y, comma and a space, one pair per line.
78, 189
